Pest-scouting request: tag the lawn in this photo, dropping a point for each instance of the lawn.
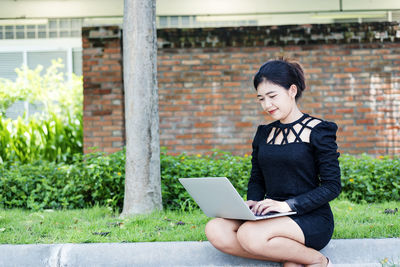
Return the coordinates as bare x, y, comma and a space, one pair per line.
100, 224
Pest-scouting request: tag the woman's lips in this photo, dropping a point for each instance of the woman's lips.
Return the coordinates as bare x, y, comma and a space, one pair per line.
272, 111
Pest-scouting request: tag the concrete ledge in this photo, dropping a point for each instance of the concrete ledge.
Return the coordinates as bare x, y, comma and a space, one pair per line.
342, 252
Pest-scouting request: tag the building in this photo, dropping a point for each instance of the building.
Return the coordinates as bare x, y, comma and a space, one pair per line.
358, 30
33, 32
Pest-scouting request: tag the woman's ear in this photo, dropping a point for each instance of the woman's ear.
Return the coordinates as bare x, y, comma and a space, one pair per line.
293, 91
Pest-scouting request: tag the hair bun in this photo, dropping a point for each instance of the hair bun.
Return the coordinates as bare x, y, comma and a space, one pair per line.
283, 72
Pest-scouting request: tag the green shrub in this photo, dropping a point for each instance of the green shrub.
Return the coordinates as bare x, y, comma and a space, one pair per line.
55, 134
368, 179
219, 164
48, 137
97, 178
91, 179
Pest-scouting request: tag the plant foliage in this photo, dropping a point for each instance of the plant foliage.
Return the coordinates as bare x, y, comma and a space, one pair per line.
55, 134
368, 179
98, 179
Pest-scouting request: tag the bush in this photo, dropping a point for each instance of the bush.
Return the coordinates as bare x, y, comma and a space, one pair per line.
92, 179
97, 178
55, 134
219, 164
368, 179
49, 137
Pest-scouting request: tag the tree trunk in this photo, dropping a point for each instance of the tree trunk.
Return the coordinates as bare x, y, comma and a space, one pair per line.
142, 177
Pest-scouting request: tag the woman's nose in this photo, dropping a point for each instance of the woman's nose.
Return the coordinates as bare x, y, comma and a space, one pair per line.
266, 104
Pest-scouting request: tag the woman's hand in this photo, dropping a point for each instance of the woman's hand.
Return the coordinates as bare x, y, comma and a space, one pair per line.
268, 205
251, 203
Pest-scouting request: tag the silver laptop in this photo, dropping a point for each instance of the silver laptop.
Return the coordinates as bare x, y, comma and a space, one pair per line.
217, 197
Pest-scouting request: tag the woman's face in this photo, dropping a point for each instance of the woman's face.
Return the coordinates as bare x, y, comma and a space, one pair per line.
276, 101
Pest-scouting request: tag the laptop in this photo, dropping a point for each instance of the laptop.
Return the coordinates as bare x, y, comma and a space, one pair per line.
217, 197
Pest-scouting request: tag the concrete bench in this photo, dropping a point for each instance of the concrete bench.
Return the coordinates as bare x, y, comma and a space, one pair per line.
342, 252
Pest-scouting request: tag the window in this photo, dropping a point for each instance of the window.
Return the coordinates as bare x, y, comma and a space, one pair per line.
8, 63
45, 58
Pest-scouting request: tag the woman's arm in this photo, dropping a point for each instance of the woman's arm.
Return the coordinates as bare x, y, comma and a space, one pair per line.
256, 185
323, 140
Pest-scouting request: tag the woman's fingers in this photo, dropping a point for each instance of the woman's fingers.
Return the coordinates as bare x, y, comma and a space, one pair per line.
269, 209
265, 206
260, 207
251, 203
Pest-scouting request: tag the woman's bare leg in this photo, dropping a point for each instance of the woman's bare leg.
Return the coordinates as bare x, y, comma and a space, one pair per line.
222, 234
292, 264
279, 239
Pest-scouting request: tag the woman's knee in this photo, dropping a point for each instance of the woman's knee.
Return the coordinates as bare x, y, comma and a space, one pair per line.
213, 227
248, 237
220, 233
255, 242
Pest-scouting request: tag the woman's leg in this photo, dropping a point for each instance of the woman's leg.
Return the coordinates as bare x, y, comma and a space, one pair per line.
279, 239
292, 264
222, 234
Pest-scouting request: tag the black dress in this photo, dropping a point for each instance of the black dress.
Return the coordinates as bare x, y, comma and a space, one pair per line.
304, 173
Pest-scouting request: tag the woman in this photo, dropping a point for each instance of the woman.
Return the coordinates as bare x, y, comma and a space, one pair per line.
294, 168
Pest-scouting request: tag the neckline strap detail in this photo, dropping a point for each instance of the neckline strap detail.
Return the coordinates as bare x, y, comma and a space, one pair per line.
280, 132
290, 124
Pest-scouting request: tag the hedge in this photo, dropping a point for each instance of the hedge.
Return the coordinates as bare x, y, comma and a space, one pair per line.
97, 178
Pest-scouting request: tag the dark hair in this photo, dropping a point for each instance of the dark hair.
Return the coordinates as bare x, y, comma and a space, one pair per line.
283, 73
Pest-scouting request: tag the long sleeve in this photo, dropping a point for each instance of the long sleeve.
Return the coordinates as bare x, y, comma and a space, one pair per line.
323, 140
256, 185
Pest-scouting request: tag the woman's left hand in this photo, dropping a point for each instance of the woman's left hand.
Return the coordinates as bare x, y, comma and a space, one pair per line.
267, 205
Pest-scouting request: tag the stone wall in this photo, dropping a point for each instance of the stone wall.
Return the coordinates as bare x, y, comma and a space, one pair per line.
206, 99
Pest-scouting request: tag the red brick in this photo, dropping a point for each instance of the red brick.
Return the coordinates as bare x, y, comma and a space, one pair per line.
206, 95
212, 107
232, 107
365, 121
331, 58
231, 84
191, 62
352, 70
203, 124
243, 124
186, 136
113, 138
203, 114
221, 67
367, 144
345, 110
212, 73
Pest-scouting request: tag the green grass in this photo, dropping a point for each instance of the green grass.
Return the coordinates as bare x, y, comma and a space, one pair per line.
365, 220
100, 224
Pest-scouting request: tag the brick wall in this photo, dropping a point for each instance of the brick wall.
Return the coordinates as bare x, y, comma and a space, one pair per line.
103, 107
206, 99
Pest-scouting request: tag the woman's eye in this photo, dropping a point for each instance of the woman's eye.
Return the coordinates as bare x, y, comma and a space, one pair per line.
260, 99
272, 96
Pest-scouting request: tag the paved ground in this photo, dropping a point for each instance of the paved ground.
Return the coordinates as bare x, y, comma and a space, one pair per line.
342, 252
